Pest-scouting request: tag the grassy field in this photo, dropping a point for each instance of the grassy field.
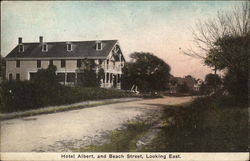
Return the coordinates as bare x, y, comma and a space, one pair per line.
203, 126
207, 124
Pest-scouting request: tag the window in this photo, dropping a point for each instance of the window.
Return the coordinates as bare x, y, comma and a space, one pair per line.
50, 62
44, 47
21, 48
18, 63
78, 63
70, 77
32, 75
17, 76
63, 63
98, 46
10, 77
69, 47
38, 63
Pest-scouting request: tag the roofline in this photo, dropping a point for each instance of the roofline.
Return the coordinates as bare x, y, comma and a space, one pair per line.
64, 41
55, 58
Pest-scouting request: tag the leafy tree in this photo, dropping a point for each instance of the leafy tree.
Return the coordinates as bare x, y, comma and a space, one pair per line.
146, 71
211, 84
224, 44
183, 88
88, 75
213, 80
46, 77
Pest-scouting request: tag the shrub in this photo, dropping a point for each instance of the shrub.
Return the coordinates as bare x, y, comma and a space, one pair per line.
24, 95
20, 95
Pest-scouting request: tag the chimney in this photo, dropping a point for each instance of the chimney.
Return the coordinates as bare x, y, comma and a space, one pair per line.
20, 40
41, 39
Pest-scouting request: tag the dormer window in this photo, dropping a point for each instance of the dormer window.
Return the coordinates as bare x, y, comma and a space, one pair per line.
98, 45
69, 47
44, 48
21, 48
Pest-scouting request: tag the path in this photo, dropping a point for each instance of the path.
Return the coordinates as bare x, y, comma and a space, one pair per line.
73, 129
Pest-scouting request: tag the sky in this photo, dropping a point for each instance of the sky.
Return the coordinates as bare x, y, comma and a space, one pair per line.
160, 27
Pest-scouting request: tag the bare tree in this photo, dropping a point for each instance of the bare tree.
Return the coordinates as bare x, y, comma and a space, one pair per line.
233, 23
224, 44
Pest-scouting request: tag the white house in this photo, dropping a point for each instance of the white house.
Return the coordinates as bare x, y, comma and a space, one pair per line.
27, 58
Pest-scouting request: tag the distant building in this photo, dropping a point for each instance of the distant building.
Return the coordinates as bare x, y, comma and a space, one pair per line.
192, 83
198, 84
27, 58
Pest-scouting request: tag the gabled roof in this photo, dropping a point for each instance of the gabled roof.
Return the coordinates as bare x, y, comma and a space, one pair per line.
58, 50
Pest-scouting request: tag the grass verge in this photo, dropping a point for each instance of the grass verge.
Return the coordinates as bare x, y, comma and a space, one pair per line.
121, 140
205, 125
47, 110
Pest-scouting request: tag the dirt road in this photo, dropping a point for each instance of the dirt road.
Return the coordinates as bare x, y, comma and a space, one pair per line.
63, 131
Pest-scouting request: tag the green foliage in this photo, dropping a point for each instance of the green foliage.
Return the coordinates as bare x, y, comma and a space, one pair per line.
212, 84
209, 124
146, 71
46, 77
121, 140
19, 95
225, 41
26, 95
88, 75
44, 90
183, 88
213, 80
231, 52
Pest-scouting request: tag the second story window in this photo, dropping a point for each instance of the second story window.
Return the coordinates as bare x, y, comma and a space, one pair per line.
38, 63
78, 63
18, 63
20, 48
44, 47
63, 63
69, 47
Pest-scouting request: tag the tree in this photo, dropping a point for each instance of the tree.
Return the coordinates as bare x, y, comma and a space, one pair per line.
88, 75
147, 72
224, 44
46, 77
213, 80
183, 88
